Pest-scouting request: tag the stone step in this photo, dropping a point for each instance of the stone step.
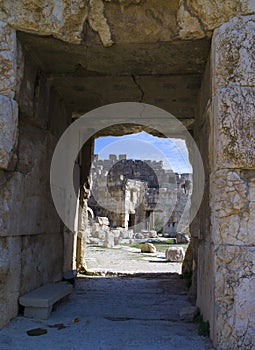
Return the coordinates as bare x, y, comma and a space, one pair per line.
39, 302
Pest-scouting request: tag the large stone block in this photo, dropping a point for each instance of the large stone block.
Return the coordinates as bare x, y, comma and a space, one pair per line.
41, 260
234, 134
233, 207
61, 18
234, 296
190, 26
233, 48
7, 60
10, 248
142, 20
214, 13
25, 193
8, 130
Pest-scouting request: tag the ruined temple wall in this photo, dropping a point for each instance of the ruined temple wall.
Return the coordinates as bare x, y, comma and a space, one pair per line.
224, 226
232, 182
31, 236
172, 199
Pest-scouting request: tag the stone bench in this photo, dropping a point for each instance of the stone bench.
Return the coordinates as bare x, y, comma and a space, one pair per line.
39, 302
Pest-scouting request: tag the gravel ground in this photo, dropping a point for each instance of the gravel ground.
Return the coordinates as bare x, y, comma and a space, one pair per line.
127, 260
113, 313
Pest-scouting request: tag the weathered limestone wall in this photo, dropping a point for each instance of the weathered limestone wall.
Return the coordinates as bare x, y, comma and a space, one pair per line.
113, 21
232, 182
31, 236
202, 245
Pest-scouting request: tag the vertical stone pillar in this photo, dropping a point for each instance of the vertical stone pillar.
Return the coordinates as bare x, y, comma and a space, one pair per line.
86, 158
10, 257
232, 183
9, 108
199, 258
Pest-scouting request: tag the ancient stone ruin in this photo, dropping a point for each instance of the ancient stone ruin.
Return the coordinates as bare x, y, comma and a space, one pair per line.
194, 59
127, 192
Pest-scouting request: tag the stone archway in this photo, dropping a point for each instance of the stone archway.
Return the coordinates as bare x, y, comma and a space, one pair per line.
37, 105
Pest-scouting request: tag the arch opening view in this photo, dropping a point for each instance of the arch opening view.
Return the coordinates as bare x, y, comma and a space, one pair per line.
141, 188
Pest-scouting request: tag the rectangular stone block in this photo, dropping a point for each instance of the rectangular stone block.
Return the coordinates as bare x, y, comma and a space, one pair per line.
38, 312
57, 18
7, 60
10, 272
233, 48
234, 127
8, 130
234, 297
39, 302
233, 207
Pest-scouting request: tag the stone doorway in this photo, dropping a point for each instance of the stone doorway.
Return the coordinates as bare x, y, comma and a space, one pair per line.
180, 56
55, 91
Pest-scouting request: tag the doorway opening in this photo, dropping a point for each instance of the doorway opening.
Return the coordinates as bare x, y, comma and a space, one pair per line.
140, 209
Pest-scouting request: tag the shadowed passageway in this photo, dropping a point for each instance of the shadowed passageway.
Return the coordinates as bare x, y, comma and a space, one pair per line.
113, 313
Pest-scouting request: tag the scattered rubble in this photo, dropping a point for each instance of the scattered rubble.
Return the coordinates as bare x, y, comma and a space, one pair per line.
175, 254
148, 248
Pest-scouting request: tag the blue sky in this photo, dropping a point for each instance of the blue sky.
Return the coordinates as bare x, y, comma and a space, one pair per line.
144, 146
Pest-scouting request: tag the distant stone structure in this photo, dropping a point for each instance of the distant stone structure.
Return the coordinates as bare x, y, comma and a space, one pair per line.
141, 195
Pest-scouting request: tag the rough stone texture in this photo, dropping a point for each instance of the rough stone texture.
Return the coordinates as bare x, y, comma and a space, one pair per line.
62, 19
113, 21
10, 268
98, 22
234, 51
235, 108
7, 60
155, 21
234, 82
8, 130
233, 195
175, 254
148, 248
35, 255
232, 184
41, 251
214, 13
235, 286
190, 26
33, 200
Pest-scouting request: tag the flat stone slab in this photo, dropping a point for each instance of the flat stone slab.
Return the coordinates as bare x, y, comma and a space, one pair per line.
38, 303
